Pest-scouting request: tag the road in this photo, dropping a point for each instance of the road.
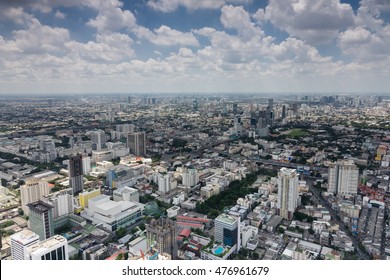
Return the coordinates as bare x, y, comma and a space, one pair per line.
361, 253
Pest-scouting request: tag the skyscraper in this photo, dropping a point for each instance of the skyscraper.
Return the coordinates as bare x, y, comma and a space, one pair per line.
343, 178
226, 230
76, 174
32, 191
161, 234
99, 139
136, 141
41, 219
287, 192
20, 241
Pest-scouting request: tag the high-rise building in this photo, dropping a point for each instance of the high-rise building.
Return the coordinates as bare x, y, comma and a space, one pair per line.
161, 234
343, 178
19, 243
99, 139
62, 202
190, 178
53, 248
235, 108
86, 165
41, 219
226, 230
32, 191
166, 182
76, 174
136, 141
287, 192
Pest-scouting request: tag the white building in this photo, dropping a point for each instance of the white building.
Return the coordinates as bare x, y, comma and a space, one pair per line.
110, 214
101, 155
190, 178
126, 194
33, 191
166, 182
20, 241
53, 248
86, 165
62, 202
173, 211
287, 192
343, 178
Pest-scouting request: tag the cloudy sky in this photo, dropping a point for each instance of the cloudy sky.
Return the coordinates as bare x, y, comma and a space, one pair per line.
137, 46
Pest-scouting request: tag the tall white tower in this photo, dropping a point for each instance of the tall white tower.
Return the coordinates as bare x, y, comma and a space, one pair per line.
287, 192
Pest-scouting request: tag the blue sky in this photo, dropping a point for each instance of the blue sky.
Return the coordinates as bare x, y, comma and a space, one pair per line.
142, 46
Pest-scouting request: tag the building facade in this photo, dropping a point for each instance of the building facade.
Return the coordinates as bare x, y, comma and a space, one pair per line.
287, 192
343, 178
76, 174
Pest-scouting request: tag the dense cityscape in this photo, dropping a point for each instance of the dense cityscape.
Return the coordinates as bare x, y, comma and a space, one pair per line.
195, 176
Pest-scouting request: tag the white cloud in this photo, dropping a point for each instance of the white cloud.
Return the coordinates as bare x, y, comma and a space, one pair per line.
108, 48
316, 22
172, 5
40, 38
366, 46
60, 15
17, 15
165, 36
237, 18
112, 19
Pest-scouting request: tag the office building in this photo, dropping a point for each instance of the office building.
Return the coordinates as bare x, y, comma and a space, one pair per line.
136, 141
161, 234
41, 219
98, 139
76, 174
32, 191
19, 243
53, 248
343, 178
85, 196
287, 192
226, 230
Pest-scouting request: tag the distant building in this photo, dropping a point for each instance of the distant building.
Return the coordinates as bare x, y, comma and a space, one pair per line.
136, 141
287, 192
226, 230
343, 178
41, 219
54, 248
76, 174
20, 242
31, 191
98, 139
161, 234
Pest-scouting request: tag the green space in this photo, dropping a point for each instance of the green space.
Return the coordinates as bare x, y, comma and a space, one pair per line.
214, 206
296, 133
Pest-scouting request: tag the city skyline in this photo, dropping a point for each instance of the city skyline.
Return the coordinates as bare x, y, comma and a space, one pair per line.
154, 46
